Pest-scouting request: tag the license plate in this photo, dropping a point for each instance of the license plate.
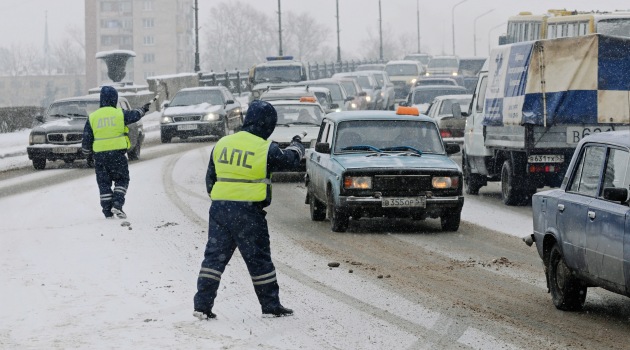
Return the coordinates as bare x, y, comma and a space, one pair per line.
187, 127
576, 133
546, 158
64, 150
404, 202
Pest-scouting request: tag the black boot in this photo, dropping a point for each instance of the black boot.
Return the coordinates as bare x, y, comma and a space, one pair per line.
270, 301
278, 311
204, 315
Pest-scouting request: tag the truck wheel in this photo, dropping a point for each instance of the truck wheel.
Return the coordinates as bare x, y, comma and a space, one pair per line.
511, 190
567, 292
39, 163
450, 220
339, 220
472, 182
317, 208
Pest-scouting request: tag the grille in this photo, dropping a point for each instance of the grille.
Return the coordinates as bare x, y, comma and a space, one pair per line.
402, 182
187, 118
64, 138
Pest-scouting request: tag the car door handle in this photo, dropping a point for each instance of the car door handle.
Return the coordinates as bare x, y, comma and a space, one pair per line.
591, 215
561, 207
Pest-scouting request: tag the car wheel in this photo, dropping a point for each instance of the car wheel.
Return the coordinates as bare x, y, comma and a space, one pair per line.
226, 129
317, 209
165, 138
339, 220
450, 220
567, 292
39, 163
134, 153
472, 182
511, 191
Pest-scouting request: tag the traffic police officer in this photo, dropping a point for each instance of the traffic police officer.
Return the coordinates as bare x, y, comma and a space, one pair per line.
105, 138
238, 181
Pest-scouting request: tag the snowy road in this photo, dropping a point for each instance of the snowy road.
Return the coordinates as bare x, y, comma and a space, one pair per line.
74, 280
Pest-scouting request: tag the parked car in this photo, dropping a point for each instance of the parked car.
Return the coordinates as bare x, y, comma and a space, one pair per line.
421, 96
200, 111
58, 134
382, 163
339, 94
353, 89
441, 110
403, 74
448, 65
581, 229
295, 117
370, 66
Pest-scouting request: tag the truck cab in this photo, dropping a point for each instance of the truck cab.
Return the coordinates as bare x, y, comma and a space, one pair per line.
278, 70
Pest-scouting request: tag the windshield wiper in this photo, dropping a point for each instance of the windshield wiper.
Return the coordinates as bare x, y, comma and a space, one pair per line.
403, 148
362, 148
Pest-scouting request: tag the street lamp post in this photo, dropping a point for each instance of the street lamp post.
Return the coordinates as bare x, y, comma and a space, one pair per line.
279, 30
490, 31
475, 29
418, 22
453, 21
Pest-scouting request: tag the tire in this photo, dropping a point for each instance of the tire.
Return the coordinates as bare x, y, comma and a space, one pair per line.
472, 182
511, 186
165, 138
450, 220
317, 209
134, 153
567, 292
339, 220
226, 129
39, 163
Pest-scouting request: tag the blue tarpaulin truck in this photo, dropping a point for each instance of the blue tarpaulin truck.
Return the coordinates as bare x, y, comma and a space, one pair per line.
534, 102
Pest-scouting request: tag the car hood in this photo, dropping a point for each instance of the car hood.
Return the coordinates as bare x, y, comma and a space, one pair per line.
62, 125
395, 161
201, 108
285, 133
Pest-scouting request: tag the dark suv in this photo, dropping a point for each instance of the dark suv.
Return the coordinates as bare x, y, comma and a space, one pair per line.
60, 131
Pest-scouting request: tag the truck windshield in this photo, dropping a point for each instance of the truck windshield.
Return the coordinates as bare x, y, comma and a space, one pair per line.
277, 74
396, 70
385, 134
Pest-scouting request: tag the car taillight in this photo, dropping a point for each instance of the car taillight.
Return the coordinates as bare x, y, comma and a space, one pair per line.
446, 133
535, 168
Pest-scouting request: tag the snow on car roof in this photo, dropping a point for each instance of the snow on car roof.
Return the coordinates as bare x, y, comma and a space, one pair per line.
374, 115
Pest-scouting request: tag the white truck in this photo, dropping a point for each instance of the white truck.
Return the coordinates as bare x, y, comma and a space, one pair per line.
534, 101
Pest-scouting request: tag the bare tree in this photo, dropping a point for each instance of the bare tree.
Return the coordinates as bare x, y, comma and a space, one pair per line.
238, 37
304, 36
371, 46
20, 60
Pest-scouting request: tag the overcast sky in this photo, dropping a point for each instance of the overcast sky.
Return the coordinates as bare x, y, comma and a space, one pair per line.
23, 20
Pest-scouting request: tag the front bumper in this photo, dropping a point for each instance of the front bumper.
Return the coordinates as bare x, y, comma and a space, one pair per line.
373, 207
55, 152
192, 129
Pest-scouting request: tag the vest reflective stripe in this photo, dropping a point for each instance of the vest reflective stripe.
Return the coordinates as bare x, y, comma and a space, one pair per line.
110, 131
240, 161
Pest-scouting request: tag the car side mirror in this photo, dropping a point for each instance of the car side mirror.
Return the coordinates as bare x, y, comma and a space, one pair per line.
616, 194
362, 93
40, 118
322, 147
229, 102
452, 148
165, 104
334, 105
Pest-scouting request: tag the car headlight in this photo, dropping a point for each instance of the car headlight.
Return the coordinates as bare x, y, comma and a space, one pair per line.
166, 120
256, 93
445, 181
413, 81
427, 74
368, 98
357, 182
353, 105
454, 74
34, 139
211, 116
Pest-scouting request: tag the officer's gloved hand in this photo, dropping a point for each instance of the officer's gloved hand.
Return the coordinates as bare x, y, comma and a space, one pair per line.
146, 107
296, 145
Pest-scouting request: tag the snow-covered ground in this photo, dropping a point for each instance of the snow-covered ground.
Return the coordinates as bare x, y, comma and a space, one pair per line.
71, 279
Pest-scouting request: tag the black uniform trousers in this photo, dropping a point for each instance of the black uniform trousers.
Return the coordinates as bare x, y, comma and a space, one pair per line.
111, 168
239, 225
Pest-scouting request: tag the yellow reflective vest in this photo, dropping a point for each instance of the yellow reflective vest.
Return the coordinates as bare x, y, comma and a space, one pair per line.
240, 161
110, 131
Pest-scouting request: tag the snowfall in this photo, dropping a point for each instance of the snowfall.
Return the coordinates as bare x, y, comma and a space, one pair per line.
71, 279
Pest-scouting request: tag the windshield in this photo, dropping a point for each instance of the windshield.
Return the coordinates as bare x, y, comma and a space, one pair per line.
335, 90
443, 63
426, 96
189, 98
470, 67
364, 82
278, 74
382, 134
395, 70
299, 113
617, 26
349, 86
72, 109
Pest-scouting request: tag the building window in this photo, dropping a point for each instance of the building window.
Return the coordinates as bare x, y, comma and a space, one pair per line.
147, 23
149, 40
127, 24
106, 40
149, 58
110, 23
109, 6
147, 5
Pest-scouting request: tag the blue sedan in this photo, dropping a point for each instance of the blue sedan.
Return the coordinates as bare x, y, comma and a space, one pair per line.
375, 164
581, 229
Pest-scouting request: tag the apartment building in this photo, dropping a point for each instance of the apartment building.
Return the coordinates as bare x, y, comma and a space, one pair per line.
159, 32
